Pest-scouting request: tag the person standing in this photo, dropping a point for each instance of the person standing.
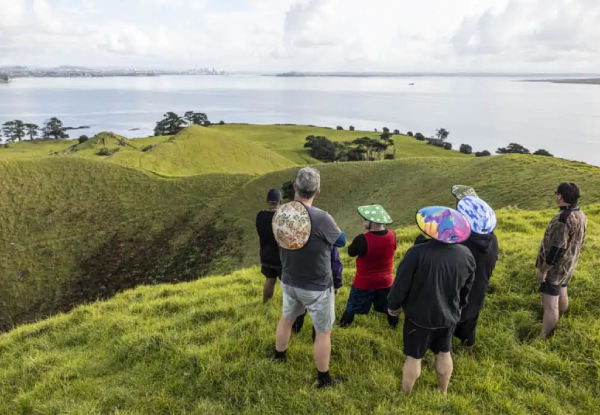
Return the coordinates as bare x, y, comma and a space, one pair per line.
374, 251
306, 276
559, 253
269, 250
483, 245
432, 287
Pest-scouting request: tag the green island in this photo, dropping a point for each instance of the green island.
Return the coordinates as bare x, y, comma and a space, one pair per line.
104, 311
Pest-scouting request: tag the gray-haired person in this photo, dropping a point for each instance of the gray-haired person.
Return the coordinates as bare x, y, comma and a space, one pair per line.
306, 278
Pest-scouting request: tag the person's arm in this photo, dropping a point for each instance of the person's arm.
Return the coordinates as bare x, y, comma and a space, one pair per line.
330, 231
341, 241
358, 247
336, 269
466, 289
404, 277
555, 246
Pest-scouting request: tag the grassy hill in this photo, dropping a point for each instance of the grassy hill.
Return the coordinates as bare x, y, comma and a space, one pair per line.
404, 186
204, 347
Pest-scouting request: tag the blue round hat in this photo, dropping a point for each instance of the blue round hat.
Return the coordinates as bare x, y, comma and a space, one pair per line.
479, 214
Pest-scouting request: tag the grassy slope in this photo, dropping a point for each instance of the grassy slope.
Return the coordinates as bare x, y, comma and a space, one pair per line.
60, 217
289, 140
204, 347
403, 186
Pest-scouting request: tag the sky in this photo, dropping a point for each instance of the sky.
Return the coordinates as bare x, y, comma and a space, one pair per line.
305, 35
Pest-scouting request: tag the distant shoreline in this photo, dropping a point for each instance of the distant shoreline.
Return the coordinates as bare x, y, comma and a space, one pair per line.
589, 81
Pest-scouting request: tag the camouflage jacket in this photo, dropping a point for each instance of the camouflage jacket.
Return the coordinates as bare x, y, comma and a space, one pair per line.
562, 244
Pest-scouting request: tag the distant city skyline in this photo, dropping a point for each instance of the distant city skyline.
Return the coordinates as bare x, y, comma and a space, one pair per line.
500, 36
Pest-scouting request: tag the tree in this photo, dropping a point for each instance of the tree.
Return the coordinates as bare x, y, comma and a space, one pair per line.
83, 138
543, 152
420, 137
189, 117
466, 149
409, 133
351, 128
483, 153
321, 148
442, 134
513, 148
170, 125
54, 129
396, 132
447, 146
8, 129
32, 130
206, 123
386, 130
288, 190
221, 122
339, 128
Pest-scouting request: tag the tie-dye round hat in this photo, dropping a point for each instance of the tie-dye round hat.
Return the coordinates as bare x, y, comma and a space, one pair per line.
375, 214
443, 224
292, 226
480, 215
459, 191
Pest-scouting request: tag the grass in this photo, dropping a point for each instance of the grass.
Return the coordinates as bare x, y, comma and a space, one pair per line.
204, 347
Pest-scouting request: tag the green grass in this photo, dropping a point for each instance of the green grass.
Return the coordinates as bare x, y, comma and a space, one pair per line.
204, 347
289, 140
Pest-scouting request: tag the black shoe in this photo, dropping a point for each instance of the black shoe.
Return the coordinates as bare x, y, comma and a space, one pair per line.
329, 383
280, 357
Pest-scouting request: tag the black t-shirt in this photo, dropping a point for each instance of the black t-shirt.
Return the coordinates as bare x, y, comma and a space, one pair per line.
269, 250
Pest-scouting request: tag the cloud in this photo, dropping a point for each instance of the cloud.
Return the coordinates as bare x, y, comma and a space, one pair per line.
11, 13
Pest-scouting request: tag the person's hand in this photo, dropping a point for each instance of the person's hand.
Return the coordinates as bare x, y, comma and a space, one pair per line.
541, 276
393, 313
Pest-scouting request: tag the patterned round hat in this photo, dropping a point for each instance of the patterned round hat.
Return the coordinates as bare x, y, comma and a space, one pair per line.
292, 226
443, 224
375, 214
480, 215
459, 191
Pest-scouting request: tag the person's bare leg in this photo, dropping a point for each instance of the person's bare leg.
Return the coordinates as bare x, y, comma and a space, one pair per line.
284, 332
444, 368
563, 301
322, 350
550, 304
410, 374
269, 289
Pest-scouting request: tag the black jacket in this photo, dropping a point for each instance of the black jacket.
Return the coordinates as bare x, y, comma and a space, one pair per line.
269, 250
432, 284
485, 251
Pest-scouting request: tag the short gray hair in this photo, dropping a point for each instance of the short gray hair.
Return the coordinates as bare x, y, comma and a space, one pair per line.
308, 182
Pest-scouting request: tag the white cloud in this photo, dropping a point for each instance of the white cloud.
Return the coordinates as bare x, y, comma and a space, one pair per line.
428, 35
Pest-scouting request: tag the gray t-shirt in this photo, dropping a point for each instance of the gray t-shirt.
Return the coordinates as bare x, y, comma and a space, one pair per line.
309, 268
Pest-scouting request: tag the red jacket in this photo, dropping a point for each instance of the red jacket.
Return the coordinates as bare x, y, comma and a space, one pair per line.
375, 270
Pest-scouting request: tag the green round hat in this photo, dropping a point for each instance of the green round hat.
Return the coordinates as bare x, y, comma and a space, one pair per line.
375, 214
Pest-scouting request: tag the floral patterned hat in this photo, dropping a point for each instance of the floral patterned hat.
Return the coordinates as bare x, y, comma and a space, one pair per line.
292, 226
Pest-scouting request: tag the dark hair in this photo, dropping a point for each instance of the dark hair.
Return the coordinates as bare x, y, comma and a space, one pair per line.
570, 192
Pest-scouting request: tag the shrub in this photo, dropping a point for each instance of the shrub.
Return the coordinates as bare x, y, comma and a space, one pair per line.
420, 137
389, 157
288, 190
221, 122
339, 128
513, 148
351, 128
148, 148
108, 151
83, 139
409, 133
447, 146
207, 123
483, 153
321, 148
466, 149
543, 152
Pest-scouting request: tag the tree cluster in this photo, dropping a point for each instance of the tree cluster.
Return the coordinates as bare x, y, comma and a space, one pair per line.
360, 149
514, 148
172, 123
17, 130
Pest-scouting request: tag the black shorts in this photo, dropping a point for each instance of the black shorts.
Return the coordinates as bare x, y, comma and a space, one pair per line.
551, 289
271, 273
418, 339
